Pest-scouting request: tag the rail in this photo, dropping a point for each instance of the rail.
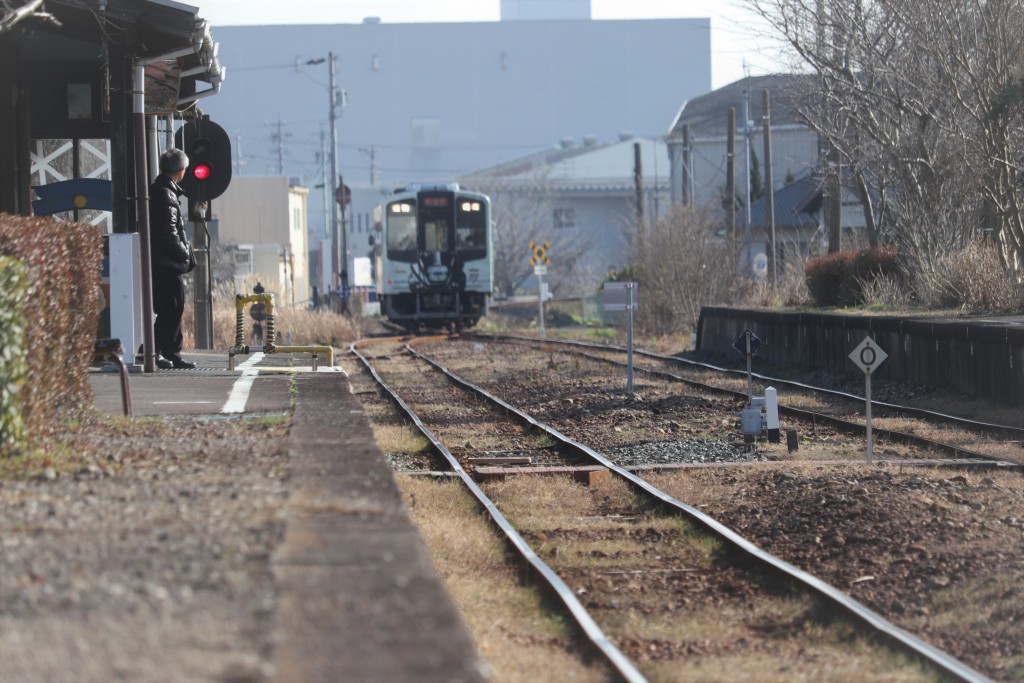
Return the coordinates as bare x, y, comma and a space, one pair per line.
941, 661
591, 630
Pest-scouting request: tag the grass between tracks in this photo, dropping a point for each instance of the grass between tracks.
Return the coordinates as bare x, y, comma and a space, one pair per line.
673, 633
519, 637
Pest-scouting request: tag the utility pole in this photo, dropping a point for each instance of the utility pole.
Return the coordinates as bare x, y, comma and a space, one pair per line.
238, 155
746, 208
687, 168
769, 196
278, 139
337, 236
638, 182
730, 172
327, 191
372, 152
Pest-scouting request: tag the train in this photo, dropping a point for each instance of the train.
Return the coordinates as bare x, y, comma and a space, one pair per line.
433, 253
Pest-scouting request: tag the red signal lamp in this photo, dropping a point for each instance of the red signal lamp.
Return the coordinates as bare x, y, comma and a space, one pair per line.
202, 171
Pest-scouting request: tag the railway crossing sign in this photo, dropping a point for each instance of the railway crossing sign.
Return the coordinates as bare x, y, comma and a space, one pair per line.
868, 356
540, 263
540, 254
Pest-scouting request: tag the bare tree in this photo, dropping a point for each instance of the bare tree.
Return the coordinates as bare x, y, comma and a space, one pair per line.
923, 101
12, 12
682, 266
523, 214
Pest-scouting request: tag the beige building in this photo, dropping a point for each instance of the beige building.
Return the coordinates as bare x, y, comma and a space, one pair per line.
267, 217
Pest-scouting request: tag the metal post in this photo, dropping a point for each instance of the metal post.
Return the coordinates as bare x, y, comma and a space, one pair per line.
629, 339
142, 217
730, 173
335, 228
202, 282
867, 409
750, 375
769, 195
540, 302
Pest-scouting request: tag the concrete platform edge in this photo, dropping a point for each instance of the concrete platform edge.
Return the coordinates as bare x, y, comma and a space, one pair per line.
358, 597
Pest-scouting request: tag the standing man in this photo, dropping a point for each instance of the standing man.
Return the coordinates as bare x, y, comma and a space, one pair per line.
172, 258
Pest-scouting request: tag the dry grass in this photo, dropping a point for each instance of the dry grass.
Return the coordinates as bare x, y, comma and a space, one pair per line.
295, 325
581, 542
515, 633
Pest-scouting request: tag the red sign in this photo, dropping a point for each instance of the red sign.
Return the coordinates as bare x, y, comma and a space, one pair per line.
343, 195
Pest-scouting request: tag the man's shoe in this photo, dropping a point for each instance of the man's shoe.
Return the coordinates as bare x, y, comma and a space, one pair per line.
180, 363
163, 363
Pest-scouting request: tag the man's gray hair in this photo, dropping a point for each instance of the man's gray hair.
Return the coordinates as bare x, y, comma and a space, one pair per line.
172, 161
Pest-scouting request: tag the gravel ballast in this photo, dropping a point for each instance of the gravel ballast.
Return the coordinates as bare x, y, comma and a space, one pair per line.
148, 558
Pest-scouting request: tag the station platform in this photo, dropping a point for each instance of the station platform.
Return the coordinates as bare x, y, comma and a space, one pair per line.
358, 598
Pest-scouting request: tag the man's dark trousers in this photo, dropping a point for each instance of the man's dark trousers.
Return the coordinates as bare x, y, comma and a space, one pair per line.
168, 305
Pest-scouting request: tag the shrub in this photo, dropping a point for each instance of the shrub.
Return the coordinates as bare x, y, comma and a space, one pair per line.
839, 279
13, 278
681, 265
972, 279
62, 292
825, 277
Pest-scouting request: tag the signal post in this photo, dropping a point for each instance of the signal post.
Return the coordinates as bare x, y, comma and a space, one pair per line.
540, 262
209, 173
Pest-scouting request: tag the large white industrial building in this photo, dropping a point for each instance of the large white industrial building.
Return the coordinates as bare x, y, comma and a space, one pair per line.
432, 102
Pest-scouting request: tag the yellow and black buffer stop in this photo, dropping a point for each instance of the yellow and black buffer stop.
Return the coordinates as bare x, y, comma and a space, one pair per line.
540, 254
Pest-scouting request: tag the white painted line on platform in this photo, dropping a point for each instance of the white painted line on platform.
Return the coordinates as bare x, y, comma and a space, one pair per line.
239, 395
296, 369
179, 403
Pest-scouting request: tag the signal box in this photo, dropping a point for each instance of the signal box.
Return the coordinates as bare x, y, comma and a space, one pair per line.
209, 159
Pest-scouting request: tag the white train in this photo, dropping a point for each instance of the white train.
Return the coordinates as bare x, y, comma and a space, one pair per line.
434, 257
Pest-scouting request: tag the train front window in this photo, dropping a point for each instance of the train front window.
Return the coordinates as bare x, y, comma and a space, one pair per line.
435, 234
470, 225
401, 229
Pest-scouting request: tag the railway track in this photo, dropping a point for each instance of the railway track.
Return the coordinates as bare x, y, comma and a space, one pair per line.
954, 436
735, 571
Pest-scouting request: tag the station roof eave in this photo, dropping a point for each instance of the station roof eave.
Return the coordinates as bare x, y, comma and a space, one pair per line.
148, 30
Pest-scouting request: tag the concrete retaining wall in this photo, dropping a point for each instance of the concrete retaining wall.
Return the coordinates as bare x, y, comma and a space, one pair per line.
979, 357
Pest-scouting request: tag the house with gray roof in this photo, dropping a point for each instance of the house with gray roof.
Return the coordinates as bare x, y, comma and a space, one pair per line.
697, 139
580, 197
698, 156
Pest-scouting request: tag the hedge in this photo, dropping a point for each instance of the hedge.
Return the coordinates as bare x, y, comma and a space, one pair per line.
13, 285
62, 301
835, 279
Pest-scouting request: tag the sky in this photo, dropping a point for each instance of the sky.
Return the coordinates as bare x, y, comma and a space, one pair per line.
738, 47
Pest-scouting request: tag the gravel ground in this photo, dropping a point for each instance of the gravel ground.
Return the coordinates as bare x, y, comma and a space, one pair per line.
936, 551
136, 562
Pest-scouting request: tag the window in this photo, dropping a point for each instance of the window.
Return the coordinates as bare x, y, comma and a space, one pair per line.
401, 230
565, 218
471, 226
435, 235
